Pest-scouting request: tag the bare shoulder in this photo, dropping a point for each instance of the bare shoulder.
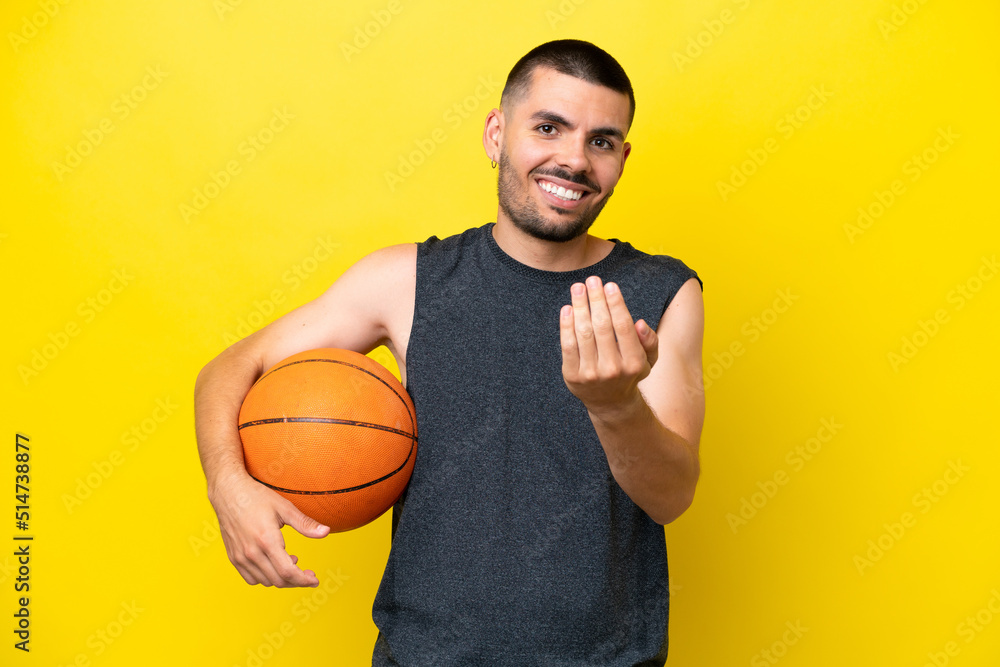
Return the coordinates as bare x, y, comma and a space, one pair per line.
384, 284
683, 322
390, 262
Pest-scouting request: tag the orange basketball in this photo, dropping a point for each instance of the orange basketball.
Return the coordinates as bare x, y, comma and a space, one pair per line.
334, 432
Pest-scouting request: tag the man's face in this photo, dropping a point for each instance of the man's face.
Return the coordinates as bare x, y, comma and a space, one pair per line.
565, 132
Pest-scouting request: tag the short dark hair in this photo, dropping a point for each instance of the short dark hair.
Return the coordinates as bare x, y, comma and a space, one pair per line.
572, 57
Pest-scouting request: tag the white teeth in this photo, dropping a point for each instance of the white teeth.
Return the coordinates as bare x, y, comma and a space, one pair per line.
561, 192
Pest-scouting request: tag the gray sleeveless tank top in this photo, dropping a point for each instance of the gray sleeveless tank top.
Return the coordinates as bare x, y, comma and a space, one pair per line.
513, 544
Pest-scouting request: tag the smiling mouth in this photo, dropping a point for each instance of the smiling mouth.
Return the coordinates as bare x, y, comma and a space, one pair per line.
560, 193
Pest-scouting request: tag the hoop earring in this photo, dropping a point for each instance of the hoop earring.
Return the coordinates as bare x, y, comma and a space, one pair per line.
493, 163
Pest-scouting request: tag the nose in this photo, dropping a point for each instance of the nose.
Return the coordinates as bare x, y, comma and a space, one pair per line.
573, 155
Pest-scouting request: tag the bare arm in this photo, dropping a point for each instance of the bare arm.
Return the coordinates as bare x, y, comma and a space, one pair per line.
369, 305
643, 391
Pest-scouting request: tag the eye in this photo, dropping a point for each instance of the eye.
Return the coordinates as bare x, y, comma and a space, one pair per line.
603, 143
551, 128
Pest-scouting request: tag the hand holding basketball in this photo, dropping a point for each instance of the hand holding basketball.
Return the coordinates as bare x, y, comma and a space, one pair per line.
327, 432
250, 520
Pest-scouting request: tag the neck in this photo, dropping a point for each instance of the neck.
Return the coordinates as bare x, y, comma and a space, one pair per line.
585, 250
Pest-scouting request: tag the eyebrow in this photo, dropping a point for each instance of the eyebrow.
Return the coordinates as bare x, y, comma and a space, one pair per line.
553, 117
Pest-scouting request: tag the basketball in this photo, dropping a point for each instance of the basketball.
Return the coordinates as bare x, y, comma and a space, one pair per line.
332, 431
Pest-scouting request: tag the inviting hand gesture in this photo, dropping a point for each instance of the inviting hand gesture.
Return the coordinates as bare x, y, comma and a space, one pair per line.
605, 354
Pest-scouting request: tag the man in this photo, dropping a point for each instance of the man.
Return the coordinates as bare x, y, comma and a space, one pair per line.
557, 434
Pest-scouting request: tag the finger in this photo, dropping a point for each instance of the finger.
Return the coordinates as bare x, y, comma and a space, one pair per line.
280, 567
294, 576
263, 562
629, 342
292, 516
280, 571
308, 573
650, 341
567, 340
250, 572
247, 577
608, 354
243, 565
266, 559
285, 563
583, 328
245, 571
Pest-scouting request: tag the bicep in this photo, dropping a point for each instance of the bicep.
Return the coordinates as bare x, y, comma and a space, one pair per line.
674, 388
355, 313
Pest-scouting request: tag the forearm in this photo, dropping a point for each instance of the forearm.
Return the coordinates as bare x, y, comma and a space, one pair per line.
250, 514
656, 467
219, 392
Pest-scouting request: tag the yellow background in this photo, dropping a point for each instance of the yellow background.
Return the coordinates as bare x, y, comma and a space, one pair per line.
136, 558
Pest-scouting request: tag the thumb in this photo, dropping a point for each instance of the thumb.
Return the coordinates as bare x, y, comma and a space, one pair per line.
292, 516
649, 341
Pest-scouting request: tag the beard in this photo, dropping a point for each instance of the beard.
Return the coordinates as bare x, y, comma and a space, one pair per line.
523, 212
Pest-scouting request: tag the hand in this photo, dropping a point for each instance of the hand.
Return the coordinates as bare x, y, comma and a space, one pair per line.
250, 520
605, 354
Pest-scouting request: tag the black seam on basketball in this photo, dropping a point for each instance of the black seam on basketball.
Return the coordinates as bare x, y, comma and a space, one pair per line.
413, 424
324, 420
352, 488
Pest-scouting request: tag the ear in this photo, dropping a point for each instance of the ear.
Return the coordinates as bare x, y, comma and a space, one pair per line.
625, 152
493, 134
